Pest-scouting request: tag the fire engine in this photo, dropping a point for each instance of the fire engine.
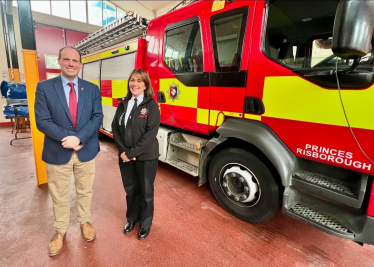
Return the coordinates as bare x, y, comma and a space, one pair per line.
270, 101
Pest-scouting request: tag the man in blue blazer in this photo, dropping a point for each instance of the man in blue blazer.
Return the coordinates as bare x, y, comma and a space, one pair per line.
68, 111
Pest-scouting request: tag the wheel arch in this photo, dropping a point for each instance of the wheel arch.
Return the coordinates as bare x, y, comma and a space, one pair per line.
253, 136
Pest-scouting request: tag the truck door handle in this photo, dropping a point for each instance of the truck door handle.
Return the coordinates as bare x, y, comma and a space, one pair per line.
161, 97
253, 105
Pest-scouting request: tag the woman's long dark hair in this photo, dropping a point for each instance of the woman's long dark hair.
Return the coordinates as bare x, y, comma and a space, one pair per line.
145, 78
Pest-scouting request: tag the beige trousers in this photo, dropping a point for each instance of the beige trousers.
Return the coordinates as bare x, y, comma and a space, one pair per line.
59, 178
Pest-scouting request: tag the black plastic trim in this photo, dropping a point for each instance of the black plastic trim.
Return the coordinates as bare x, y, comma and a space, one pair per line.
27, 30
12, 41
262, 137
229, 79
358, 79
193, 78
253, 105
181, 23
161, 97
367, 234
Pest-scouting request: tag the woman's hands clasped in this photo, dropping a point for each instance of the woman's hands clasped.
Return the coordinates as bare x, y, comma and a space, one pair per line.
125, 158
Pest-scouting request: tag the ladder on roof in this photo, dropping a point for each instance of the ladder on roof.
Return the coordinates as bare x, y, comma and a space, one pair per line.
129, 27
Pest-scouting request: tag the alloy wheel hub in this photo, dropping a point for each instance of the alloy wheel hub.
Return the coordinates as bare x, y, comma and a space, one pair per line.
239, 185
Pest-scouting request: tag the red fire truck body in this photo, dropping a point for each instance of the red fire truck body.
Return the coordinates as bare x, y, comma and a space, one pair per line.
250, 101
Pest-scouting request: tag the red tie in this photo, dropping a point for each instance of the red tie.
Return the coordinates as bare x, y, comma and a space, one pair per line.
73, 105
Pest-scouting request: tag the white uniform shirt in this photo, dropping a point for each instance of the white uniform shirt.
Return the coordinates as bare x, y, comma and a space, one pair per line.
130, 105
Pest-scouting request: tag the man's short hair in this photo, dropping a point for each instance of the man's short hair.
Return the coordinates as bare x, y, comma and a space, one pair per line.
62, 49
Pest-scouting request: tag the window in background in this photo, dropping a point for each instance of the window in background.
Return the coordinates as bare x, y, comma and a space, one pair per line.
109, 13
120, 13
78, 11
14, 3
51, 75
51, 62
95, 13
41, 6
61, 9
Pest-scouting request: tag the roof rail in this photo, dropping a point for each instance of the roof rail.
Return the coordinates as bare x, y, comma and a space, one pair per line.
129, 27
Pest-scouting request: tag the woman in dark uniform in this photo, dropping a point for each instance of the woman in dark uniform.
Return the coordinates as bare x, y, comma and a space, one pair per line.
134, 129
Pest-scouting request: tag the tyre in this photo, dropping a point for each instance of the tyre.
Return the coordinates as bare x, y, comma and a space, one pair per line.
243, 185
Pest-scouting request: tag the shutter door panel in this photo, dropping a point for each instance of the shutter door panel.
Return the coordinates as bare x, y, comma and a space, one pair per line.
114, 74
117, 68
91, 72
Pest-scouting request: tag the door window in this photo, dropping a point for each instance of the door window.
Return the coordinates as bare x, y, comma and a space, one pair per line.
183, 51
228, 31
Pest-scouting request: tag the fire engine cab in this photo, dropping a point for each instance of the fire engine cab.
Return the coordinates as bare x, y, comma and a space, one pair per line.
271, 102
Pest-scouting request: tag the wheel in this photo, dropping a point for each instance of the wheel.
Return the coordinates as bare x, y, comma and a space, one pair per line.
243, 185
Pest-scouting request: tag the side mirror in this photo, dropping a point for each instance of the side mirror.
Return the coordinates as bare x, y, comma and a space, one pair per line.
353, 28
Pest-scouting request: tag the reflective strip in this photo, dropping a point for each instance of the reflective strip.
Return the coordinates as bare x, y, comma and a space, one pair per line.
214, 117
233, 114
187, 96
119, 88
107, 101
252, 117
106, 54
202, 116
294, 98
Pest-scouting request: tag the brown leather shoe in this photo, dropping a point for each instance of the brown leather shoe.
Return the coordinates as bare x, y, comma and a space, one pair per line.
88, 232
55, 245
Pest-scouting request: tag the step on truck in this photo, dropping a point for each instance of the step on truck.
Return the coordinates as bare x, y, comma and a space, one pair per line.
270, 102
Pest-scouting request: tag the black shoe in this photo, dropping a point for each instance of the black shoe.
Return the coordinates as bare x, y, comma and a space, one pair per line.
143, 233
128, 228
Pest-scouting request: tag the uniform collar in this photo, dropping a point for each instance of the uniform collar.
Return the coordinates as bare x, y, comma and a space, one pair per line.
140, 98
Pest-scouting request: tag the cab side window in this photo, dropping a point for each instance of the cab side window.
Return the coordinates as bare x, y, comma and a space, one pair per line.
299, 35
228, 30
183, 50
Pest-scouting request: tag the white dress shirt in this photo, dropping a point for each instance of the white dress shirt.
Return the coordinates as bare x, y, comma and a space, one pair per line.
131, 104
67, 87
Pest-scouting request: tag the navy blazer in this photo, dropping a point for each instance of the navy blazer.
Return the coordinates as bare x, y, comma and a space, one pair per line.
53, 118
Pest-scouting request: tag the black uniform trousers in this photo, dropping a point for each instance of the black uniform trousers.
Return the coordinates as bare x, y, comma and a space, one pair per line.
138, 180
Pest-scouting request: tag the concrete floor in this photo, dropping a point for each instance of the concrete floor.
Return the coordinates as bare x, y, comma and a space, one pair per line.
189, 229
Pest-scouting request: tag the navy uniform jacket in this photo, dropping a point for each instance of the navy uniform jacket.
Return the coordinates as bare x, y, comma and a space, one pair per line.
143, 144
53, 118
